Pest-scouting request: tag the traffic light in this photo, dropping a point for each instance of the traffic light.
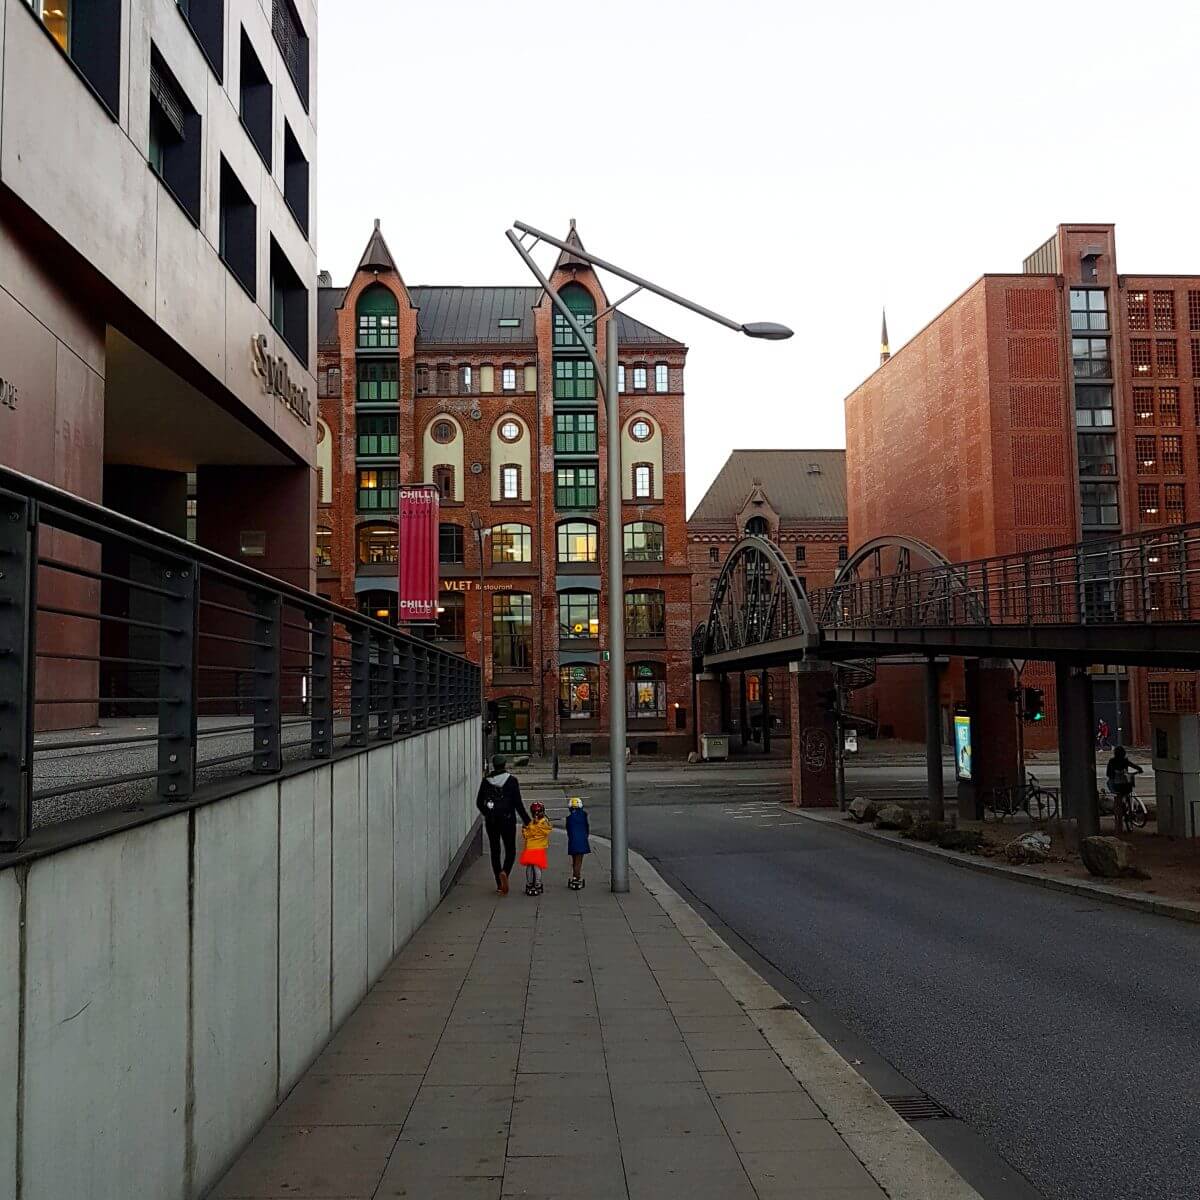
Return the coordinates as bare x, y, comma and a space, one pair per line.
1033, 705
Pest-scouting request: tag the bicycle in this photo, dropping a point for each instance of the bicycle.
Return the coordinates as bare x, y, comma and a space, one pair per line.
1128, 809
1037, 802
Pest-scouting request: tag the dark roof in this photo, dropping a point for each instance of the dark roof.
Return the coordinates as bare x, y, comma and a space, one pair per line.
795, 492
568, 259
377, 256
633, 333
473, 314
329, 300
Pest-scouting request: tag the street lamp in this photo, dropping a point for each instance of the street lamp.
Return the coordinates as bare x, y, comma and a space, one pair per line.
616, 565
481, 531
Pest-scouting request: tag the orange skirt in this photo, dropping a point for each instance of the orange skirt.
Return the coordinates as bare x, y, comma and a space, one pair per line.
534, 858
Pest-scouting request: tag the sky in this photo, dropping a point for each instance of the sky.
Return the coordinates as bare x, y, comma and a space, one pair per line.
772, 159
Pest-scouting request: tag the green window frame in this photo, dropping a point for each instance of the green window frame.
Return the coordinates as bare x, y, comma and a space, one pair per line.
578, 615
579, 300
378, 319
574, 379
575, 433
512, 631
378, 489
512, 543
575, 487
378, 434
644, 541
379, 381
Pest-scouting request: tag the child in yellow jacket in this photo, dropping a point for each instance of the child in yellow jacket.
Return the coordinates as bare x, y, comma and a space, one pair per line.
537, 845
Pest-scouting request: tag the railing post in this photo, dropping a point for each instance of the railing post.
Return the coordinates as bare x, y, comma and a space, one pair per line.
404, 677
268, 734
385, 695
18, 663
177, 683
360, 683
1081, 586
421, 686
395, 646
1144, 573
1181, 553
987, 599
1028, 592
321, 696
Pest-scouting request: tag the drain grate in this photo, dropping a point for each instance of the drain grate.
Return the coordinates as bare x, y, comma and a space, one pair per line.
919, 1108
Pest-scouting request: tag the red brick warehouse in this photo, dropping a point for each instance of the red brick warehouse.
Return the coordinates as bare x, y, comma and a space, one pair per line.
486, 393
1039, 408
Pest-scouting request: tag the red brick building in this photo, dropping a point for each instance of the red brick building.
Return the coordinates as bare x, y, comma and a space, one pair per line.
1041, 408
486, 393
797, 498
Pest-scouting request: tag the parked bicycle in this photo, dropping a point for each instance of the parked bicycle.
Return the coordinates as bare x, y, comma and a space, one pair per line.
1040, 803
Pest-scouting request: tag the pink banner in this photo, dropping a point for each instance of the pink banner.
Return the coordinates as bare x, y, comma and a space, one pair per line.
418, 554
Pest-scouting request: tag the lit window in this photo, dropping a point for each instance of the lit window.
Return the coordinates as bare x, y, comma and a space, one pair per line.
512, 543
89, 34
577, 692
1139, 356
645, 614
377, 545
661, 378
378, 490
646, 691
578, 615
1139, 310
643, 541
639, 379
510, 482
508, 379
577, 542
324, 554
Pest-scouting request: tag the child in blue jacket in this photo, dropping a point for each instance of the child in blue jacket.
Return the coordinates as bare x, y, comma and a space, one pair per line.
577, 840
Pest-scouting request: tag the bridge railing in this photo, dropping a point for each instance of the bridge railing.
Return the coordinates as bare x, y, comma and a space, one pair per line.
1148, 577
136, 667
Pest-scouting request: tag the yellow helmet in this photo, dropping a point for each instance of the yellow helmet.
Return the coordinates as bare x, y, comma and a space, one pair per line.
575, 802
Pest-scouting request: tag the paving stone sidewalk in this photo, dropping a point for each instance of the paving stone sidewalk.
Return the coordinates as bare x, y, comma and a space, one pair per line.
572, 1047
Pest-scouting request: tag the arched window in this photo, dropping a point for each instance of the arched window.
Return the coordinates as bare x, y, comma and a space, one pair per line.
512, 544
451, 617
758, 527
645, 614
579, 300
324, 555
577, 688
376, 545
643, 541
378, 604
378, 319
578, 541
578, 614
512, 725
646, 691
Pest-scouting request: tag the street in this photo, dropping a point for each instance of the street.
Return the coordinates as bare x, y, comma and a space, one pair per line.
1061, 1032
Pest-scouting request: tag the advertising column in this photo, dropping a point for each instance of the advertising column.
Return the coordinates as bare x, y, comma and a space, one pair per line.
418, 555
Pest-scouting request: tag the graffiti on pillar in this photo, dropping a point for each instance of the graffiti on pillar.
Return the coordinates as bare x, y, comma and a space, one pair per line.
816, 750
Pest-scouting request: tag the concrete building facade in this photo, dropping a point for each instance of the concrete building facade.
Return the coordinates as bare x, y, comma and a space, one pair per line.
485, 393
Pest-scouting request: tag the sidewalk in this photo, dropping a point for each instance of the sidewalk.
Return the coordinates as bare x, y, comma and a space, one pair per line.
581, 1046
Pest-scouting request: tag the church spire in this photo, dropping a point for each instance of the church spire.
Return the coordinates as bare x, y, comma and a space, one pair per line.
885, 351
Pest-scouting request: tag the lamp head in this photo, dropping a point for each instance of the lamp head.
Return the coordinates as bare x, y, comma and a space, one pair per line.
767, 330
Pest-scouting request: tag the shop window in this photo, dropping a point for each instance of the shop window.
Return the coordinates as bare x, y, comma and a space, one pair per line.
1172, 454
639, 379
255, 100
1166, 358
377, 545
1164, 310
577, 692
239, 231
510, 482
661, 377
1145, 450
645, 614
175, 140
646, 691
206, 19
575, 487
1139, 310
293, 45
643, 541
378, 604
574, 379
1098, 504
295, 178
578, 615
1174, 503
289, 303
512, 543
575, 433
1089, 309
378, 380
378, 490
451, 617
450, 543
1094, 406
443, 480
1168, 406
643, 481
379, 323
1149, 504
1097, 454
378, 434
583, 308
512, 631
1090, 357
89, 34
578, 542
324, 548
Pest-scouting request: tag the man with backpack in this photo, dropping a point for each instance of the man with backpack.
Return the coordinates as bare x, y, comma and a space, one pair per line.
499, 800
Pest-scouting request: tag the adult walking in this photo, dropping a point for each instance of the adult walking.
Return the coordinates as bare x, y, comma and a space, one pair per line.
499, 801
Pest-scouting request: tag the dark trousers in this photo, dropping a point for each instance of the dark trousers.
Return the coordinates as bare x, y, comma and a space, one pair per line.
506, 832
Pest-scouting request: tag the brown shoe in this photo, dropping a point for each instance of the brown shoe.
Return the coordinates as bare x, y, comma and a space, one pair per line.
503, 889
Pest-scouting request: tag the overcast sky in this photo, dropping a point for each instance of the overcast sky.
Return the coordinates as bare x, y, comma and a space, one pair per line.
772, 159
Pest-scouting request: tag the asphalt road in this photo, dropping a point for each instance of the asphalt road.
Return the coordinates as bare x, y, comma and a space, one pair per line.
1063, 1033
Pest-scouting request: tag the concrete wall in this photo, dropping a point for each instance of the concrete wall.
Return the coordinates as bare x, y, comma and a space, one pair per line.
164, 987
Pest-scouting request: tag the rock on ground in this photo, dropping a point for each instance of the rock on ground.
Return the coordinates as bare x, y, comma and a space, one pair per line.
893, 816
1028, 848
1110, 858
862, 809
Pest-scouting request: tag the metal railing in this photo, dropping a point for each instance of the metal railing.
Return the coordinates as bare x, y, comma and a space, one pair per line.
1144, 578
136, 667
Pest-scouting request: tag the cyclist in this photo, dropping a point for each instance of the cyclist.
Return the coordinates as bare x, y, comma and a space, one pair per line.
1120, 772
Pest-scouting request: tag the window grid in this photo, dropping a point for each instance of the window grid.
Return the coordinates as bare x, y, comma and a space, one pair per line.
512, 543
512, 631
1090, 358
377, 545
620, 377
1164, 310
574, 379
575, 433
801, 553
1099, 504
578, 692
1089, 309
378, 331
645, 614
508, 379
451, 617
662, 378
1196, 357
1172, 454
378, 434
578, 542
1097, 454
1166, 358
450, 543
1149, 504
1093, 406
1194, 310
575, 487
378, 382
646, 691
1139, 311
1168, 406
643, 541
643, 481
510, 482
639, 379
714, 554
578, 615
1139, 355
1143, 406
1160, 696
1185, 695
1145, 450
1174, 503
378, 490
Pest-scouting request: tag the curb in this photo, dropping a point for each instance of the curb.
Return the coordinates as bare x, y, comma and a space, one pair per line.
1142, 901
900, 1160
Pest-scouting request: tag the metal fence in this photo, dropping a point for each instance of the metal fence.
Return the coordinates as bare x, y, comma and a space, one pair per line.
1144, 578
136, 667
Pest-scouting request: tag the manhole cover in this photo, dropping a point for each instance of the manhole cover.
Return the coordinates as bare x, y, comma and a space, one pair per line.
919, 1108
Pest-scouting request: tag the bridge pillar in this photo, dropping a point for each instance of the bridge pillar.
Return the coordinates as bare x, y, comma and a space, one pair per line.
934, 783
1077, 747
995, 750
814, 736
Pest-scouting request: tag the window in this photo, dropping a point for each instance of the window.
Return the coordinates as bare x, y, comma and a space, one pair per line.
578, 541
443, 480
510, 482
714, 554
1098, 504
512, 543
643, 481
510, 430
206, 19
577, 692
378, 604
1097, 454
1160, 696
1185, 695
1145, 450
1164, 310
1168, 406
508, 379
293, 45
512, 726
174, 147
377, 545
1139, 355
1173, 495
645, 614
578, 615
646, 691
661, 377
512, 631
422, 380
443, 379
802, 580
575, 487
1089, 309
1166, 358
1090, 357
450, 543
443, 432
640, 430
757, 527
329, 383
579, 300
378, 380
295, 178
1172, 454
574, 379
378, 319
1093, 406
1194, 310
620, 377
1149, 505
639, 379
509, 323
843, 553
643, 541
239, 231
451, 617
89, 33
712, 587
289, 303
378, 434
377, 489
575, 433
1139, 310
464, 381
255, 101
324, 551
801, 553
1143, 406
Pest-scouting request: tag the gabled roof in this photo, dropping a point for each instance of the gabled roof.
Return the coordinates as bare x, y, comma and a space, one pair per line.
567, 260
460, 315
795, 490
329, 300
377, 256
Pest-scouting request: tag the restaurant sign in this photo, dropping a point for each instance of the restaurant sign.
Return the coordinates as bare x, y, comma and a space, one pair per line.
273, 371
